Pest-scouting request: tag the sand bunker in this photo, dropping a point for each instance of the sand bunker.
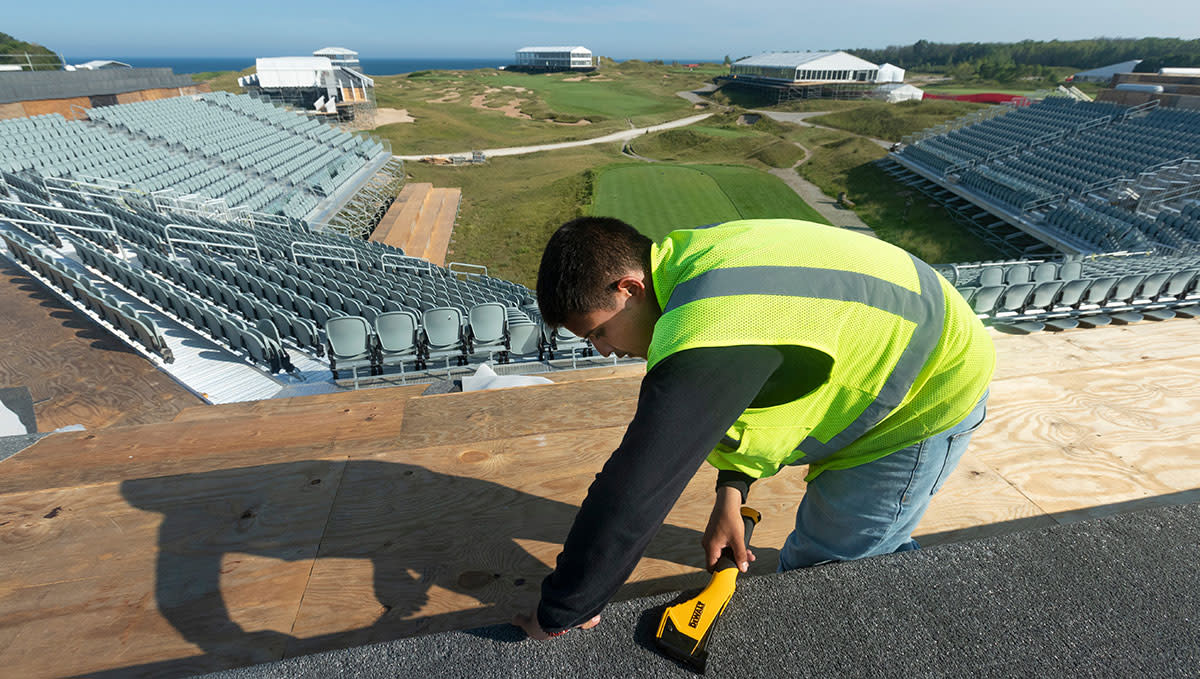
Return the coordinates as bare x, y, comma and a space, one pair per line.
577, 123
388, 116
514, 88
510, 110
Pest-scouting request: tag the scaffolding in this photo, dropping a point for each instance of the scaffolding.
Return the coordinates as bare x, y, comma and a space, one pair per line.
361, 214
355, 111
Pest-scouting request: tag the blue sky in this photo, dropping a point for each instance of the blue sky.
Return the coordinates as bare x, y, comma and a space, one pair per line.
663, 29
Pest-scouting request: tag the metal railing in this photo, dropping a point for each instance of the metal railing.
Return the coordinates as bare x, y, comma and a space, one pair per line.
49, 188
171, 240
324, 247
74, 227
456, 268
406, 263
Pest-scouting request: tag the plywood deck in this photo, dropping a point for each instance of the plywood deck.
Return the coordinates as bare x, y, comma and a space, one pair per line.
238, 534
420, 221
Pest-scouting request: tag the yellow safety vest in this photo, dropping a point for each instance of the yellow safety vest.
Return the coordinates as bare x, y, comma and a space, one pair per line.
910, 358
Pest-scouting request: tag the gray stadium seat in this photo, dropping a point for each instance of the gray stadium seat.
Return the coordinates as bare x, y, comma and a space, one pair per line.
396, 333
349, 347
442, 336
524, 339
991, 275
486, 326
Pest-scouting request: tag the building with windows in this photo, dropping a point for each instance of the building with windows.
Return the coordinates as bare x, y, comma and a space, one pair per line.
796, 67
555, 59
812, 74
340, 57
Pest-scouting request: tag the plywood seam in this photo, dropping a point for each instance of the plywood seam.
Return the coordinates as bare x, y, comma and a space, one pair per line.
317, 553
1017, 488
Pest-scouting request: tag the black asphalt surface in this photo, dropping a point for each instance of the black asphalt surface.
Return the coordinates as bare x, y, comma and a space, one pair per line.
1113, 597
11, 445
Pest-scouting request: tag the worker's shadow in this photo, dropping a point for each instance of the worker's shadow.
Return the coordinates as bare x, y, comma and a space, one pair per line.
419, 529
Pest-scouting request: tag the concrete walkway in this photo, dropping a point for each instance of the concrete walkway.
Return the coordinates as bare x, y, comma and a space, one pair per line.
828, 207
625, 135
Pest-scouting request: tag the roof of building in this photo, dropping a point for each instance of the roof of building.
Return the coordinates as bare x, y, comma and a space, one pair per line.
102, 63
35, 85
557, 48
833, 61
335, 51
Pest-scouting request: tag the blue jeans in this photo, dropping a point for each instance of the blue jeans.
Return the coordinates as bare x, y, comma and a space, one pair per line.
873, 509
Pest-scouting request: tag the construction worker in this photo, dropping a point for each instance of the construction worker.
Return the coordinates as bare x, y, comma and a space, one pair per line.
768, 343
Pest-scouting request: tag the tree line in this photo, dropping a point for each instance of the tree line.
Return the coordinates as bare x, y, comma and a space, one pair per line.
42, 57
1034, 58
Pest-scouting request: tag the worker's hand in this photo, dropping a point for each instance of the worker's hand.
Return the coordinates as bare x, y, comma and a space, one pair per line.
529, 623
726, 528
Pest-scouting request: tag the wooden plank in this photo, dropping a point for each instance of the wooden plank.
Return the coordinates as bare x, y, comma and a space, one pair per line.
450, 509
315, 404
105, 456
417, 244
443, 227
508, 413
375, 580
160, 568
391, 218
1062, 438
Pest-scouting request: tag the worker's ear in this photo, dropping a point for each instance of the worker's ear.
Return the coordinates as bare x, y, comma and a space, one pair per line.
633, 286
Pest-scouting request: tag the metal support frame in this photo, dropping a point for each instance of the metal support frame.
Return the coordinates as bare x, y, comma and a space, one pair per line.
205, 229
324, 246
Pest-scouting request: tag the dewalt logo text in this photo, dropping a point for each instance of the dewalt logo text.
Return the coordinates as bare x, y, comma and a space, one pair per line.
696, 614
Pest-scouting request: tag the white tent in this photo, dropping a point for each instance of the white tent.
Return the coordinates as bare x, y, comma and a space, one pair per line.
1105, 73
889, 73
894, 93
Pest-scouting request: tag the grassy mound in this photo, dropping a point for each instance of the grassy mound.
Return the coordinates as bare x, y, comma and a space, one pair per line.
723, 138
893, 121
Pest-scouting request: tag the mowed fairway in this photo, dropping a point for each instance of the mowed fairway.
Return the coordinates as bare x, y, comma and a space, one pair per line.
658, 198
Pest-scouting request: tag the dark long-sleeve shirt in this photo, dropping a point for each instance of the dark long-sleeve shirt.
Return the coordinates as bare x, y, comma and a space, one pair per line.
686, 404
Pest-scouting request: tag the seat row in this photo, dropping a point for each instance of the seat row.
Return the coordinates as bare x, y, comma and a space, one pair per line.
69, 284
396, 338
259, 342
1088, 302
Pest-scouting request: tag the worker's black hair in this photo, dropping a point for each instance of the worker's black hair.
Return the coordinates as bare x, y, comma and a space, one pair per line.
582, 262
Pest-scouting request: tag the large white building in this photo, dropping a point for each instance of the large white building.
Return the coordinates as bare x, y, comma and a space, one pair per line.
808, 67
318, 83
555, 58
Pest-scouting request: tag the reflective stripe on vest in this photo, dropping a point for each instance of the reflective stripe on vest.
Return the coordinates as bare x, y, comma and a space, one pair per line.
926, 310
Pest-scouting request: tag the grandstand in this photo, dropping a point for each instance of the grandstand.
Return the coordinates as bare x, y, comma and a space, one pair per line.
189, 221
1067, 176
